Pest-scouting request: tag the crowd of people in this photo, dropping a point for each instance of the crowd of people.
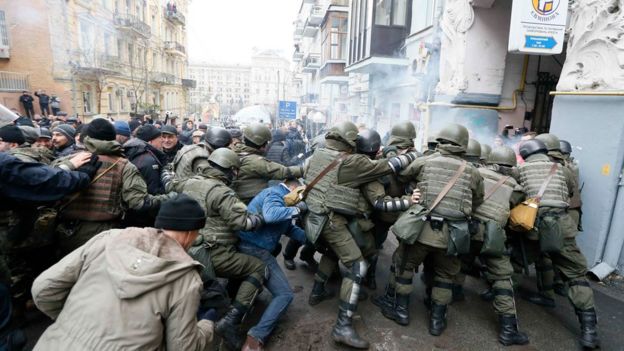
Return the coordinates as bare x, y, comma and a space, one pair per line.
135, 235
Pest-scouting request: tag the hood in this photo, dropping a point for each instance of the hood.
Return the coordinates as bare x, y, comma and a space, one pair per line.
242, 148
449, 149
337, 145
210, 172
141, 260
103, 147
400, 143
135, 147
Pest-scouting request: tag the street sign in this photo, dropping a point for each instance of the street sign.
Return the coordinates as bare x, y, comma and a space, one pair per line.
538, 26
287, 109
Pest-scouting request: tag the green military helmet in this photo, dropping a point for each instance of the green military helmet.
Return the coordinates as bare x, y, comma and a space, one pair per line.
404, 130
225, 158
485, 152
347, 131
258, 133
318, 142
454, 133
473, 149
551, 141
502, 155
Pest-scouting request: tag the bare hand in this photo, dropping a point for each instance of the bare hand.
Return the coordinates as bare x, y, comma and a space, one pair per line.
416, 196
80, 159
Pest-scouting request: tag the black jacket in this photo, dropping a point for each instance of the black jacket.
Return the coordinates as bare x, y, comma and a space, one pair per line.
26, 100
171, 153
36, 182
43, 98
149, 161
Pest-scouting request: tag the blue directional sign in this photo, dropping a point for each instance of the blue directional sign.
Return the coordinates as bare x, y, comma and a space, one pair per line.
539, 42
287, 109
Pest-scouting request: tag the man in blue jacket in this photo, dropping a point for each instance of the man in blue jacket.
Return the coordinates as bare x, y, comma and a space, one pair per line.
262, 243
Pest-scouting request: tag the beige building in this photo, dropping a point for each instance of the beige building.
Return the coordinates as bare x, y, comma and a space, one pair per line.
112, 57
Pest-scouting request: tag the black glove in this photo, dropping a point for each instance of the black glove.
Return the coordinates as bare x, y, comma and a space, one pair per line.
210, 315
91, 167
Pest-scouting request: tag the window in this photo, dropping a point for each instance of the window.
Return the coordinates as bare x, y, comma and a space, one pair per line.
423, 18
122, 102
86, 101
87, 39
335, 38
390, 12
4, 32
111, 102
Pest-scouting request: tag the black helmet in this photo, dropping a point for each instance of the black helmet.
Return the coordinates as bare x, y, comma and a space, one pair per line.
485, 151
533, 146
369, 141
473, 149
218, 137
565, 146
454, 133
502, 155
404, 130
551, 141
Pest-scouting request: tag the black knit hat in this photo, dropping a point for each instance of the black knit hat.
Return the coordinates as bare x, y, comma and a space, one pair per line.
148, 132
101, 129
181, 214
12, 134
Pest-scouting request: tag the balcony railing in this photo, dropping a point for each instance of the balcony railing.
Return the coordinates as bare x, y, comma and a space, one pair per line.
312, 62
164, 78
175, 47
175, 16
133, 23
317, 13
13, 81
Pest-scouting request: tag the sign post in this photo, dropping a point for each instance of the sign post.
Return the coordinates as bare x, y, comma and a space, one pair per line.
287, 110
538, 26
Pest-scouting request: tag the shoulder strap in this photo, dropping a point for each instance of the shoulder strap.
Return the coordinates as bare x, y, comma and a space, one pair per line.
448, 186
552, 172
323, 173
495, 187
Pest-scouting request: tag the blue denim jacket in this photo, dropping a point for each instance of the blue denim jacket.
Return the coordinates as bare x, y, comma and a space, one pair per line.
277, 216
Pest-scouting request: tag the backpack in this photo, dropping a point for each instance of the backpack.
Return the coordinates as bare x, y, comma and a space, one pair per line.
185, 159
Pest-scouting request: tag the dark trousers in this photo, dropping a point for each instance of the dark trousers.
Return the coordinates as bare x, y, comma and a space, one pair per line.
55, 111
293, 246
45, 109
30, 111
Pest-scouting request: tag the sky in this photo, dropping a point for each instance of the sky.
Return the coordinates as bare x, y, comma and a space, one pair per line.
226, 31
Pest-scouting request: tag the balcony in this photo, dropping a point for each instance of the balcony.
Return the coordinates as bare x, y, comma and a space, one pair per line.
297, 55
332, 72
189, 83
175, 17
14, 82
299, 28
173, 47
132, 24
317, 13
309, 30
89, 65
164, 78
311, 63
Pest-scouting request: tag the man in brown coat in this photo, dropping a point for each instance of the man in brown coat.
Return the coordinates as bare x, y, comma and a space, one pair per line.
130, 289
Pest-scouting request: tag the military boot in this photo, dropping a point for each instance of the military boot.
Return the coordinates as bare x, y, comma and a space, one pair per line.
400, 311
344, 332
319, 293
386, 300
228, 328
437, 321
540, 299
589, 332
509, 334
458, 293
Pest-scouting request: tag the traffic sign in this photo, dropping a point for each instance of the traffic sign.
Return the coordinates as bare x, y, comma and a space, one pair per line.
538, 26
287, 109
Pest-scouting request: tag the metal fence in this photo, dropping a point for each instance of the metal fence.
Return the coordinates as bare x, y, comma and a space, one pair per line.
14, 82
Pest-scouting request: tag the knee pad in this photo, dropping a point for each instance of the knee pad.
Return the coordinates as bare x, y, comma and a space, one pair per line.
358, 271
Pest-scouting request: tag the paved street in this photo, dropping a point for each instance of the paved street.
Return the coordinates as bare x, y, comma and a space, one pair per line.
472, 323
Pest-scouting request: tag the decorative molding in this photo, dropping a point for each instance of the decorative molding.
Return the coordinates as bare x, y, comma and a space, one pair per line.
457, 19
595, 51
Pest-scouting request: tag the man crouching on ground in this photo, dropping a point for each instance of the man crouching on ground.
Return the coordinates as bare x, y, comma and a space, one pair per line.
131, 289
262, 243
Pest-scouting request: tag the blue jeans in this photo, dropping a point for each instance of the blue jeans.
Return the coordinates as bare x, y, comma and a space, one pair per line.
279, 288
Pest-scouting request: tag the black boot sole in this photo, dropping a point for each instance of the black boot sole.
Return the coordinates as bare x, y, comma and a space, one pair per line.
342, 341
512, 342
395, 318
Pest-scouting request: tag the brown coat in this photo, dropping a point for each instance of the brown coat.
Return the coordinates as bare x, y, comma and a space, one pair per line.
128, 289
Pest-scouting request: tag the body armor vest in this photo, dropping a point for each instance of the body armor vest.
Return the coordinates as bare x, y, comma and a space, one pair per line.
532, 176
247, 186
276, 153
496, 207
186, 157
101, 201
216, 230
327, 195
575, 200
437, 172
